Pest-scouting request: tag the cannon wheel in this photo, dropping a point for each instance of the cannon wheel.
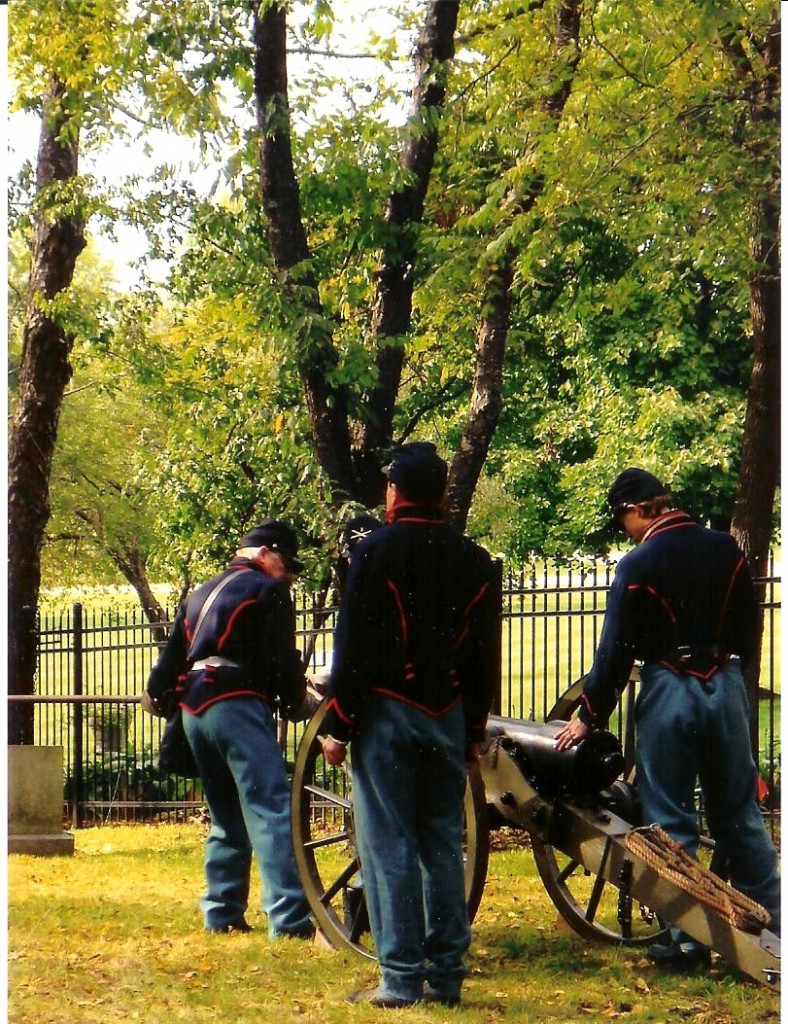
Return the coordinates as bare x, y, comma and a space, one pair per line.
589, 904
325, 850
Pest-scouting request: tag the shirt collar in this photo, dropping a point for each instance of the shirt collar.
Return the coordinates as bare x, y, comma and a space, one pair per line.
414, 510
667, 521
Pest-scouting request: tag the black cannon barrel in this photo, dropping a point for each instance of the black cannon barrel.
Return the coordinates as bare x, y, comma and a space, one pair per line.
578, 773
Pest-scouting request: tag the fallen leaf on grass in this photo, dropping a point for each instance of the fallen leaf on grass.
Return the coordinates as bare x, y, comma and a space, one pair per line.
684, 1011
641, 986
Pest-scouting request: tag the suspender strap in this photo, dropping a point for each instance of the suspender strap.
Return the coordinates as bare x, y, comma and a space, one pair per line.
207, 604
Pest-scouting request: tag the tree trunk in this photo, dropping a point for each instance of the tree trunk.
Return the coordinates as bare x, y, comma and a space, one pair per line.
44, 374
316, 354
760, 458
131, 563
760, 455
353, 471
404, 213
486, 397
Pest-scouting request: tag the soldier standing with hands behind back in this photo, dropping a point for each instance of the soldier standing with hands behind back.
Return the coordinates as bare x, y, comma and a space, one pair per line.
411, 686
683, 602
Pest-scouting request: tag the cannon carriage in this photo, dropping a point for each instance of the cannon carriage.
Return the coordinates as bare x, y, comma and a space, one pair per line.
611, 880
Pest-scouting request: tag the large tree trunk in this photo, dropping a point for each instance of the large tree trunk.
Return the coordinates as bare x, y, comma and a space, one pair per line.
760, 456
317, 356
353, 470
44, 375
760, 460
486, 396
404, 212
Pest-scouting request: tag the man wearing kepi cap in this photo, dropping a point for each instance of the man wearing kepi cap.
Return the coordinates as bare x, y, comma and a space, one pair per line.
683, 602
231, 656
412, 677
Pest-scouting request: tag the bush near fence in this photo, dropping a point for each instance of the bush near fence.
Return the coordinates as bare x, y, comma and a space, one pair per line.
94, 663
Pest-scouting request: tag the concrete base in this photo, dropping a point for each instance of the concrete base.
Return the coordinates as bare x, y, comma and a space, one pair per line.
35, 802
59, 845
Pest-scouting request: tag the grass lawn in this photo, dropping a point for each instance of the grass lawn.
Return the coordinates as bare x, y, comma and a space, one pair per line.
114, 934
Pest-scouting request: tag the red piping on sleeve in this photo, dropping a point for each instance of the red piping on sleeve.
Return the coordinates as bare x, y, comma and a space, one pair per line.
333, 704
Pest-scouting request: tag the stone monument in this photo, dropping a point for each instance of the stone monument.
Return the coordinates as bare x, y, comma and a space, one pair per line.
35, 802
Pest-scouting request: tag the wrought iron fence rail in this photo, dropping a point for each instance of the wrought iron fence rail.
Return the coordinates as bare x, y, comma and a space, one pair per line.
73, 698
154, 806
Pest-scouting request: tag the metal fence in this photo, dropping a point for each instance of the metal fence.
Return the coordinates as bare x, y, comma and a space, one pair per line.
94, 664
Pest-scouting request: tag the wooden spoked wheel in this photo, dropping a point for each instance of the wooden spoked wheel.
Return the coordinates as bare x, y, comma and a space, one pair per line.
325, 847
592, 906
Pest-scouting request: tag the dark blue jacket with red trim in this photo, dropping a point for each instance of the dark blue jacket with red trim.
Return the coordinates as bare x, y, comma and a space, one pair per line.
683, 587
417, 622
249, 630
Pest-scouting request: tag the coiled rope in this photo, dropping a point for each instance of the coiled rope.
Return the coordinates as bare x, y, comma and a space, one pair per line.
670, 860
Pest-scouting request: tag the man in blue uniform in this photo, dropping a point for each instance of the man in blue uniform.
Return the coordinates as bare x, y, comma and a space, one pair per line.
231, 656
683, 603
411, 685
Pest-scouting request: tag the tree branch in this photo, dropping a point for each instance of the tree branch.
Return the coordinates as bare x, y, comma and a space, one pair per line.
486, 395
316, 354
404, 213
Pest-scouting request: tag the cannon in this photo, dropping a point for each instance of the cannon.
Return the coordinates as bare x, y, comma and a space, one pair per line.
610, 879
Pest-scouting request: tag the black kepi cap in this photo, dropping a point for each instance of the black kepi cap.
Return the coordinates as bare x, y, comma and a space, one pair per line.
418, 471
271, 533
633, 486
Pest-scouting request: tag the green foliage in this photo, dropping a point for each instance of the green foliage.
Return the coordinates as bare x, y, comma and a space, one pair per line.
630, 332
630, 340
120, 776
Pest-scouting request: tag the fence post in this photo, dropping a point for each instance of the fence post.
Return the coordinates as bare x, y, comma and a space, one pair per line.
498, 668
78, 689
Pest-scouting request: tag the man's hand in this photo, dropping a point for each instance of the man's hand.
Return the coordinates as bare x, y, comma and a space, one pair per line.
472, 752
571, 734
333, 751
307, 707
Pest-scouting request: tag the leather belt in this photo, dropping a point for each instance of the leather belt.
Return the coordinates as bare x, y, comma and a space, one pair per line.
686, 652
214, 662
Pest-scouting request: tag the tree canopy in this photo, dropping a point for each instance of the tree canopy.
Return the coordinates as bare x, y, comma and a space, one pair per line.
534, 243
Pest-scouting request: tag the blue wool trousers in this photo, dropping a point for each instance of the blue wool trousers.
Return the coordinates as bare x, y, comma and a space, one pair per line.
692, 732
248, 796
409, 779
